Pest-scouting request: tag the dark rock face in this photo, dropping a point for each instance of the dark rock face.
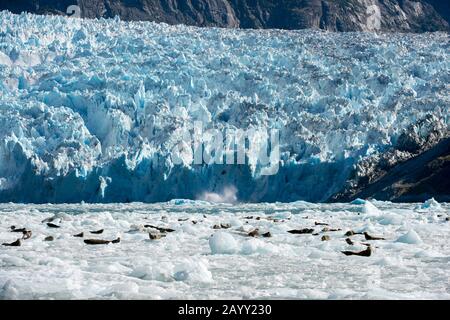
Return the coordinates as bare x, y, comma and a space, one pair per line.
417, 179
415, 169
344, 15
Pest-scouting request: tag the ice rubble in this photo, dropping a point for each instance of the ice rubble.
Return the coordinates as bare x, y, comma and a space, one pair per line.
411, 237
183, 265
369, 209
223, 243
358, 201
431, 204
91, 110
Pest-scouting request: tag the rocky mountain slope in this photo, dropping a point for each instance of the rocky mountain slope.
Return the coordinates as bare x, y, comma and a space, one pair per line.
414, 169
342, 15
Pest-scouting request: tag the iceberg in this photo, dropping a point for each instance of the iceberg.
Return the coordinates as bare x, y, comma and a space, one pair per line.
358, 201
223, 243
92, 110
431, 204
411, 237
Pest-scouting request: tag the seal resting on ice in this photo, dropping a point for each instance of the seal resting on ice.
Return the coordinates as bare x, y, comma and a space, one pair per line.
16, 243
100, 241
364, 253
369, 237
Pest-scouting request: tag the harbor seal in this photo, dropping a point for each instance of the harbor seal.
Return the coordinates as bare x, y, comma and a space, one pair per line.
301, 231
96, 241
369, 237
116, 241
26, 234
16, 243
155, 236
351, 233
364, 253
52, 225
100, 241
159, 228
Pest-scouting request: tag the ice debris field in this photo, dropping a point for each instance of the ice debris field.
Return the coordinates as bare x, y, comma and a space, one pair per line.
192, 250
92, 109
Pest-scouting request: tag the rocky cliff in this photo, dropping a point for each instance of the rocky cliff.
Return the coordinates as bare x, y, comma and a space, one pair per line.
339, 15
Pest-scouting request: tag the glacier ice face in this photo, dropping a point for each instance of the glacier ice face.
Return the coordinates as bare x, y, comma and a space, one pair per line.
91, 109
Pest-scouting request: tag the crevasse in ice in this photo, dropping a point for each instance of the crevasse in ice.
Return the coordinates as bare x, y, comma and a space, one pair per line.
90, 109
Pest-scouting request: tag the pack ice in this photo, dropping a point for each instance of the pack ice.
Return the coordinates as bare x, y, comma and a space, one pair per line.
91, 109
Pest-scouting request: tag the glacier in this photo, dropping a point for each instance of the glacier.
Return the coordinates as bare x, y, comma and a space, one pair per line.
90, 110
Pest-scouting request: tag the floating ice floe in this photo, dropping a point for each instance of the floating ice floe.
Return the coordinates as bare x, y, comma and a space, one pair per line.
282, 215
193, 271
223, 243
411, 237
391, 219
431, 204
253, 246
9, 291
369, 209
358, 201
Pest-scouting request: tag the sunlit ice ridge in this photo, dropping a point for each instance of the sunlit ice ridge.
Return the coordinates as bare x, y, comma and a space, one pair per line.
91, 110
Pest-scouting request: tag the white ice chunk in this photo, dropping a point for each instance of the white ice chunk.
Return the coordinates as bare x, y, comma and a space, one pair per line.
411, 237
223, 243
431, 204
5, 60
358, 201
193, 271
369, 209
